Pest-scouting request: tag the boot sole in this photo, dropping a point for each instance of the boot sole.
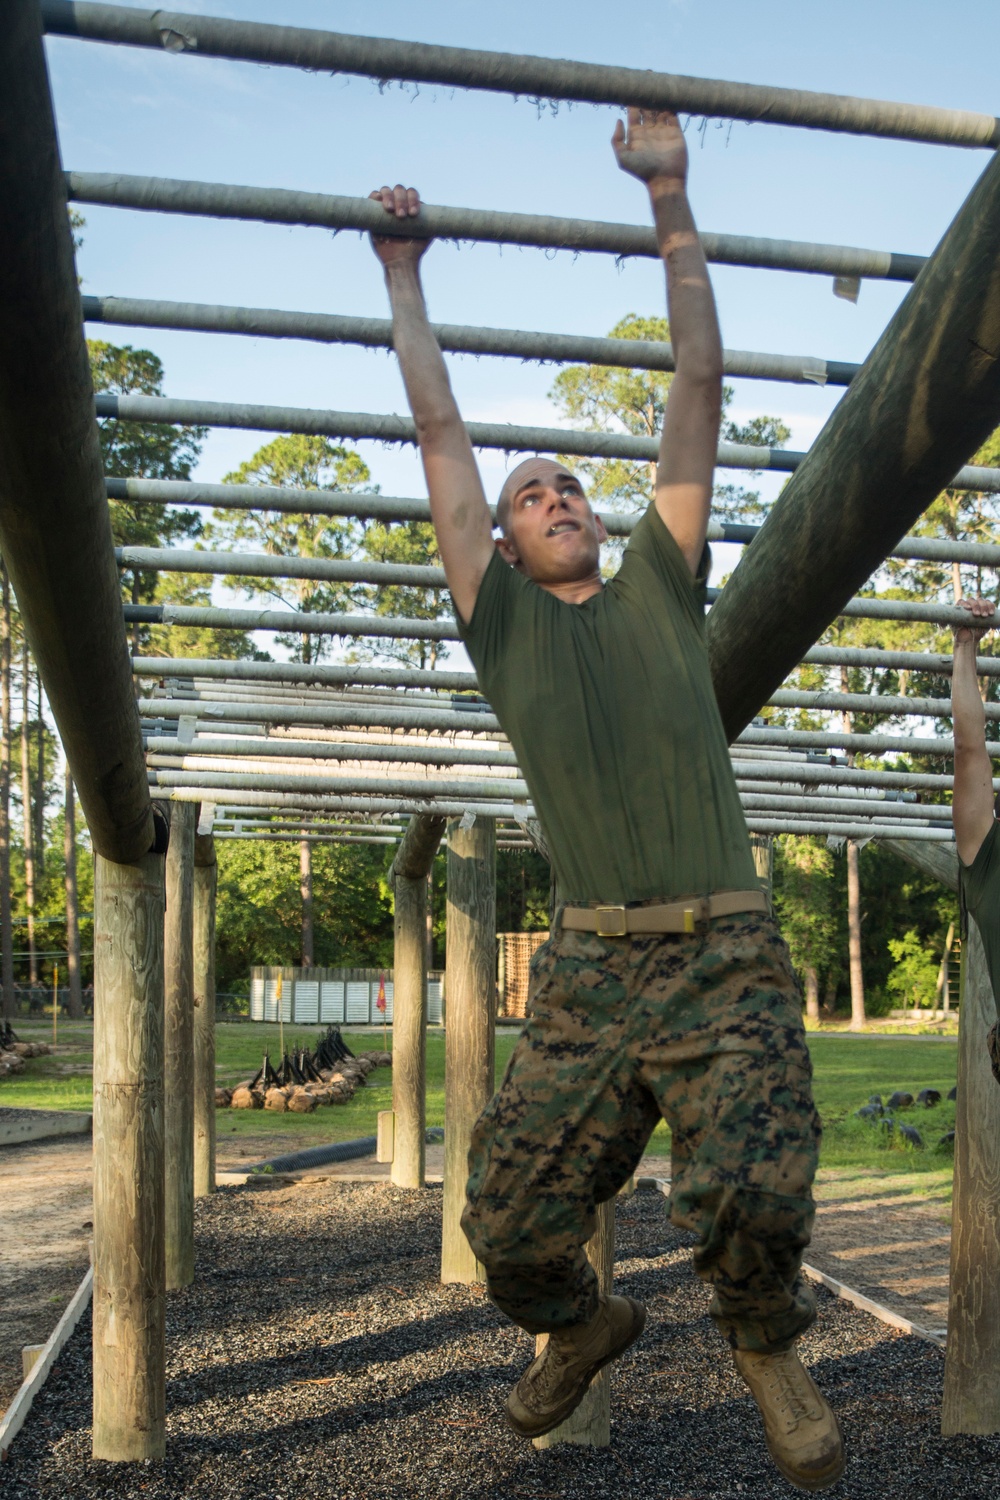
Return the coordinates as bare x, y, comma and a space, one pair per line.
823, 1481
569, 1406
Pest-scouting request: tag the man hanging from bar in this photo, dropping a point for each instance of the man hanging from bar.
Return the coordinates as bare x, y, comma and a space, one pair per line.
665, 988
974, 806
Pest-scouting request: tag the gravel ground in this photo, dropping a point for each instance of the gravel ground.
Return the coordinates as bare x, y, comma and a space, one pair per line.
316, 1355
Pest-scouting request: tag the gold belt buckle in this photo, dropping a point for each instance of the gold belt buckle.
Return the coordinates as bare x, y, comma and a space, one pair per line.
617, 913
696, 917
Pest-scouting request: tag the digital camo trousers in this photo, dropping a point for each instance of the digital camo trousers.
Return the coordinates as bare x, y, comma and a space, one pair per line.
705, 1030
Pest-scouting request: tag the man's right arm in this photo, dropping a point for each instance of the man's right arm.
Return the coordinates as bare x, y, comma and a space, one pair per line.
972, 798
459, 508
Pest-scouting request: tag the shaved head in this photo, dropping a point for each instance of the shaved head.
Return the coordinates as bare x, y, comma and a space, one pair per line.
525, 473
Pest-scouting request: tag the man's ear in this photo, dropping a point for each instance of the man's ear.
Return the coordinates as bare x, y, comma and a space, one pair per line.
507, 550
602, 534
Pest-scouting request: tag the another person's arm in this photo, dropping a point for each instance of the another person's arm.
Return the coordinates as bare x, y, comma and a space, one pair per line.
459, 509
653, 149
972, 799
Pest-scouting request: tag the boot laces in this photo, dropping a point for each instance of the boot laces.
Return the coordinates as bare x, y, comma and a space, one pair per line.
550, 1371
793, 1396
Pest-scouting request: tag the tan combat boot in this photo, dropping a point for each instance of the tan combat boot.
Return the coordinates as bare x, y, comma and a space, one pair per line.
555, 1383
801, 1431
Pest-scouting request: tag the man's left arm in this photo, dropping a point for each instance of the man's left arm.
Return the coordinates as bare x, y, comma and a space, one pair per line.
653, 149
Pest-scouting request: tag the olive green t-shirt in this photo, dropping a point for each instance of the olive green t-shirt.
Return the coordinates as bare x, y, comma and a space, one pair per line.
610, 708
981, 892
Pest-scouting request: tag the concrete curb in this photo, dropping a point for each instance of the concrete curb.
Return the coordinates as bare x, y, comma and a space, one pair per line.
18, 1126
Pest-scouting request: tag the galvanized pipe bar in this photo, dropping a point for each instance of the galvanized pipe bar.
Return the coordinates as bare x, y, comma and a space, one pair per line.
386, 626
306, 838
872, 703
397, 806
298, 622
454, 338
382, 58
853, 743
423, 752
477, 791
389, 428
847, 830
899, 661
264, 565
378, 716
803, 806
321, 674
221, 200
235, 769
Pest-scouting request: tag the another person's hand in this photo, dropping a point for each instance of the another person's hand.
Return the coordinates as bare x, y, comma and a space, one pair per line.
401, 203
981, 612
652, 146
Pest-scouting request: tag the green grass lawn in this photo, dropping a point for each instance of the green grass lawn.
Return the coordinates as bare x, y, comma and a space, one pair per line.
847, 1070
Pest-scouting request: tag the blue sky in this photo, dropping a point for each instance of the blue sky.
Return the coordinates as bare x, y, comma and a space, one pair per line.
181, 116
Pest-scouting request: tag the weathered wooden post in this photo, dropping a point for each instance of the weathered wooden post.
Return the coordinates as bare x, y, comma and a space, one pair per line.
470, 1022
762, 849
55, 535
971, 1402
203, 921
128, 1160
590, 1424
408, 874
178, 1037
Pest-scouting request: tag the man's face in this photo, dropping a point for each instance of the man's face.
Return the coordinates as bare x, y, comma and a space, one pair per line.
550, 531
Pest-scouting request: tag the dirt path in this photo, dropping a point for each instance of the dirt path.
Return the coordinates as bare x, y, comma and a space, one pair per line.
46, 1192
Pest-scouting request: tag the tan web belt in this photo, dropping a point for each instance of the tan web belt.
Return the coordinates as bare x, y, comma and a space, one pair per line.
675, 916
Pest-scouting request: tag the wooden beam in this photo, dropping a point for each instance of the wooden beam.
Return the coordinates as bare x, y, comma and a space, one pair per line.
590, 1425
129, 1388
55, 530
414, 859
203, 921
971, 1402
927, 396
939, 861
178, 1069
470, 1023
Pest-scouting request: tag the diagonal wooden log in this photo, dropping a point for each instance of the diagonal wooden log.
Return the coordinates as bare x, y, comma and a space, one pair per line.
55, 528
925, 399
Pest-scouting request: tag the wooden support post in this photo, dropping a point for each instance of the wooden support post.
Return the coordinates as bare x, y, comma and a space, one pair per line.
762, 848
178, 1062
927, 396
971, 1402
410, 867
590, 1424
128, 1160
470, 1023
203, 922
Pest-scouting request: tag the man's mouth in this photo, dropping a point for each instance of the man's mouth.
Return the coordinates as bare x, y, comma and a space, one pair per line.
561, 526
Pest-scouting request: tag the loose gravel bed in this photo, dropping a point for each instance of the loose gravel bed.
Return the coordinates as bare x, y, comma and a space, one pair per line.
317, 1356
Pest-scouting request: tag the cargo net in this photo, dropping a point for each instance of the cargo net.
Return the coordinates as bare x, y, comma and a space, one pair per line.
516, 949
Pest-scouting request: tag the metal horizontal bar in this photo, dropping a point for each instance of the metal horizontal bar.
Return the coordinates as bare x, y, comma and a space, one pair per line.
297, 622
872, 703
397, 806
510, 73
305, 838
868, 807
221, 200
390, 428
454, 338
429, 753
321, 674
903, 661
849, 743
264, 565
840, 830
387, 427
480, 791
376, 716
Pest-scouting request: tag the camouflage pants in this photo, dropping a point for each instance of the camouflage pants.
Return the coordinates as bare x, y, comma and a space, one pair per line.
705, 1030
